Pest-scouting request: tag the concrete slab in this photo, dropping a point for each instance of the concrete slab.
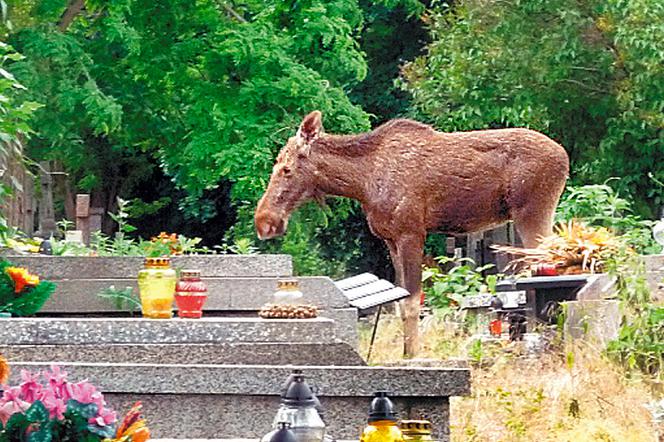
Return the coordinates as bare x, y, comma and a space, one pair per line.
87, 267
224, 294
164, 331
228, 354
217, 401
594, 321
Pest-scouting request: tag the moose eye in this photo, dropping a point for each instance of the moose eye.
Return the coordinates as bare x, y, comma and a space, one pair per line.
286, 171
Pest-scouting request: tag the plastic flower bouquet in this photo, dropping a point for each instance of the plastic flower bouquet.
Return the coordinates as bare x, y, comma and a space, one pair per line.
59, 410
21, 292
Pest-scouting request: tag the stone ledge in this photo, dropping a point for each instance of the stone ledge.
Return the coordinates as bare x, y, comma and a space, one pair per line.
188, 416
264, 380
164, 331
224, 294
228, 354
94, 267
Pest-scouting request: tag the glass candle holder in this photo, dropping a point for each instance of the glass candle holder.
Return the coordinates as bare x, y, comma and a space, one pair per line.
156, 285
190, 294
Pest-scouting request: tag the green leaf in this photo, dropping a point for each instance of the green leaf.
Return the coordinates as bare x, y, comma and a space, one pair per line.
7, 75
37, 412
43, 435
86, 411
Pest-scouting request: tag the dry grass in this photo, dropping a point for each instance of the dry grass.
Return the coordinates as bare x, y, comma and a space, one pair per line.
552, 396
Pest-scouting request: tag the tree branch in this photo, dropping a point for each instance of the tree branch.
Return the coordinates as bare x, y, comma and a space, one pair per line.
233, 13
74, 8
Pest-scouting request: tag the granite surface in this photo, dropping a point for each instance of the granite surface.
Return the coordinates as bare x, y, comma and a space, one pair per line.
229, 354
200, 416
224, 294
594, 321
86, 267
600, 286
345, 324
164, 331
414, 382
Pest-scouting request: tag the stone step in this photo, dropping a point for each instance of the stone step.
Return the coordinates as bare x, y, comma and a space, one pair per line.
225, 401
228, 354
96, 267
224, 294
42, 331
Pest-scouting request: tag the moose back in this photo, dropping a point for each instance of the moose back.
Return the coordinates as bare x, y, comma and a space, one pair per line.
411, 179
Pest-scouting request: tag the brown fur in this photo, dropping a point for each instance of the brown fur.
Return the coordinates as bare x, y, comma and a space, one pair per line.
411, 179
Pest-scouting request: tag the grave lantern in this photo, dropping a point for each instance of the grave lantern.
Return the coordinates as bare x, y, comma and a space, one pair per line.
496, 324
156, 285
416, 430
190, 294
298, 408
283, 433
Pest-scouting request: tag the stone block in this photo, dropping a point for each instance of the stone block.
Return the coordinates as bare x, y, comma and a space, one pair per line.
226, 416
599, 286
224, 294
164, 331
225, 354
345, 321
109, 267
360, 381
215, 401
593, 321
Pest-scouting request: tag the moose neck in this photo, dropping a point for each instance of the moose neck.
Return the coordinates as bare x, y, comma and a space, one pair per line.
343, 163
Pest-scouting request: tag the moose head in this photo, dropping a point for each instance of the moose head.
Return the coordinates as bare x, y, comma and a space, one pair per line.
293, 180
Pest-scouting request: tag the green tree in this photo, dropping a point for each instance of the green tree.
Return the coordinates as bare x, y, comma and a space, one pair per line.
589, 74
207, 92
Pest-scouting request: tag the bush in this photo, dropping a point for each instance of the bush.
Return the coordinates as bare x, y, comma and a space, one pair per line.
446, 289
600, 205
640, 342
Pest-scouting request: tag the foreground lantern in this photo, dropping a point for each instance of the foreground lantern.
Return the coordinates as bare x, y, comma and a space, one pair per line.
298, 408
416, 430
382, 423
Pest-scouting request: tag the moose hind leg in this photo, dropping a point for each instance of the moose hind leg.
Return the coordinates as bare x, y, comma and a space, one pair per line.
534, 220
532, 228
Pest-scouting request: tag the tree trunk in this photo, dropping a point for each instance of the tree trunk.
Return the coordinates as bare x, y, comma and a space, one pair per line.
74, 8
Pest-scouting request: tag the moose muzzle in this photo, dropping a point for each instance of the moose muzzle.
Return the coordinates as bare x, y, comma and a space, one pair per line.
268, 225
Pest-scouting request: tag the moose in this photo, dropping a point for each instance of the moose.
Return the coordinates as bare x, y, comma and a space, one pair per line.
411, 179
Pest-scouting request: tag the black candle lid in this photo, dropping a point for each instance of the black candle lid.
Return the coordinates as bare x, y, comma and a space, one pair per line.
283, 433
382, 408
298, 392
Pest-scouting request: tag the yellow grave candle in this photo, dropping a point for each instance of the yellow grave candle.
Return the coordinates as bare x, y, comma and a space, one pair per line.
156, 285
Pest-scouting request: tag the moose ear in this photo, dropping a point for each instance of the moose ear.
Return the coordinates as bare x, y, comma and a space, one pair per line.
311, 127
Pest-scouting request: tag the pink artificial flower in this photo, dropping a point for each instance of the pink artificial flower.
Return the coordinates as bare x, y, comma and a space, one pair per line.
11, 403
85, 393
30, 387
55, 406
12, 394
105, 417
56, 377
6, 411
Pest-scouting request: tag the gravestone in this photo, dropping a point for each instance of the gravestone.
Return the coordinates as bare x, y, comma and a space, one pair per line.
207, 378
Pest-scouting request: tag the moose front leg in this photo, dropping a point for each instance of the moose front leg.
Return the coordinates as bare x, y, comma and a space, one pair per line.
396, 262
410, 251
